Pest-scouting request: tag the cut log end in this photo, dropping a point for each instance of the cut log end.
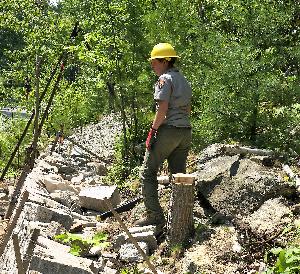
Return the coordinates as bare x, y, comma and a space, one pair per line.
180, 217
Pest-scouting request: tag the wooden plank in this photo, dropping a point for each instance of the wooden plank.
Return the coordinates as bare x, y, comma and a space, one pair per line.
17, 189
33, 240
18, 254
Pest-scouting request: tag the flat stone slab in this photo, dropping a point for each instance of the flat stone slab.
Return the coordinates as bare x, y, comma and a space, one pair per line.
93, 197
146, 236
51, 257
39, 213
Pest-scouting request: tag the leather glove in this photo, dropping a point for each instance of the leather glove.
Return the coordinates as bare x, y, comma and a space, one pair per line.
151, 138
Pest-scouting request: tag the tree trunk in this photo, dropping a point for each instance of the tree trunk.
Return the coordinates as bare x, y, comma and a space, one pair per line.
180, 217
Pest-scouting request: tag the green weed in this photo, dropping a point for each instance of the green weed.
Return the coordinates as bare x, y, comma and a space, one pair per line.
79, 245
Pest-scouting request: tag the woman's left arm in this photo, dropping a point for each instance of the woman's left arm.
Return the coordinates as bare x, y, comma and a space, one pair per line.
161, 113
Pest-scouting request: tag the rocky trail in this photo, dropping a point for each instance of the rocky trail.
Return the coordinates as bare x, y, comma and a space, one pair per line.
245, 204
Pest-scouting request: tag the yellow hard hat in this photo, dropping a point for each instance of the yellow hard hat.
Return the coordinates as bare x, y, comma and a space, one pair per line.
163, 50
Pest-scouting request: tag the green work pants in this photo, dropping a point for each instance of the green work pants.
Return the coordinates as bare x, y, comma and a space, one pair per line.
173, 144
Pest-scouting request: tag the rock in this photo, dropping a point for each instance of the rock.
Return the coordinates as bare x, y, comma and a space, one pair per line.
93, 197
99, 168
66, 198
35, 212
140, 229
60, 261
236, 247
3, 196
77, 227
45, 200
55, 159
269, 218
77, 179
237, 186
212, 253
297, 223
46, 167
264, 160
164, 180
129, 253
216, 167
67, 170
95, 251
108, 270
55, 182
100, 138
146, 236
48, 229
148, 271
3, 207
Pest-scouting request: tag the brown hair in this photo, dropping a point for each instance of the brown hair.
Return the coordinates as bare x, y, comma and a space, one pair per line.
171, 62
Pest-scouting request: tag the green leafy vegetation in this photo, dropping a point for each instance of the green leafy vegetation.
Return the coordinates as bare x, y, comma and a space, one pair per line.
132, 270
81, 246
288, 260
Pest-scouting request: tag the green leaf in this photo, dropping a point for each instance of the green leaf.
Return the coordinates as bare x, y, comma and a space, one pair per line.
276, 250
293, 259
98, 237
75, 250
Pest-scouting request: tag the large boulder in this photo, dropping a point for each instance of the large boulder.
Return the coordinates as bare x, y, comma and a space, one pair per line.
237, 184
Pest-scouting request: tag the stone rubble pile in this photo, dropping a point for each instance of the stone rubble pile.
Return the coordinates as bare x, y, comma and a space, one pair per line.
99, 138
66, 192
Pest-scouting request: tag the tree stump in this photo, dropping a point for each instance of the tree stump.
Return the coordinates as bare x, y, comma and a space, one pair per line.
180, 218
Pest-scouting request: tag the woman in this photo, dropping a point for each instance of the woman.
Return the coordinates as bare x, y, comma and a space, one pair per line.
170, 134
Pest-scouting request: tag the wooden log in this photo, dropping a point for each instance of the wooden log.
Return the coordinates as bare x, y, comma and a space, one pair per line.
18, 254
12, 223
16, 192
30, 249
180, 224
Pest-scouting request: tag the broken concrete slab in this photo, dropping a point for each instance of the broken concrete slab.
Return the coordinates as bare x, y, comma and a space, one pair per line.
48, 229
60, 261
35, 212
93, 197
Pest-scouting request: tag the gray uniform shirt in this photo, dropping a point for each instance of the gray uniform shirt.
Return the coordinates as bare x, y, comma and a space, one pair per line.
173, 87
